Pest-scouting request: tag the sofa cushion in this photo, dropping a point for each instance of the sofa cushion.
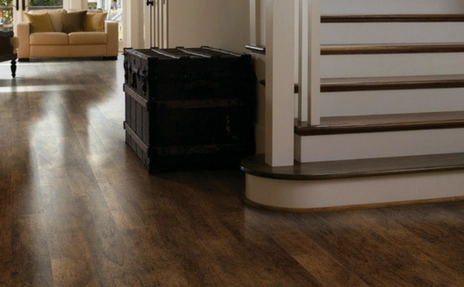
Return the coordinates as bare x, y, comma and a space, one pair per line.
39, 22
86, 38
49, 38
95, 22
73, 21
55, 18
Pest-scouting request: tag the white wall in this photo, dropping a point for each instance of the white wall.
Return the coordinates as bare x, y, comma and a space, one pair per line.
217, 23
75, 4
133, 24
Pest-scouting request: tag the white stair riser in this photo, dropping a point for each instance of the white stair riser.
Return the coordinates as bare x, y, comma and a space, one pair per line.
371, 33
390, 65
339, 7
391, 102
317, 195
378, 145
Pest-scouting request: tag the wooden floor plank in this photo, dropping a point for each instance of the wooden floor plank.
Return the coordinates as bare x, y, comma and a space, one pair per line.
410, 264
74, 272
6, 226
30, 258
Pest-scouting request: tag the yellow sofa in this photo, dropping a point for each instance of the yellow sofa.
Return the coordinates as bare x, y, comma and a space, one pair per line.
67, 34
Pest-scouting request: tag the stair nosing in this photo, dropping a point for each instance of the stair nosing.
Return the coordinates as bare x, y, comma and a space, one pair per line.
330, 85
355, 168
381, 123
390, 48
392, 18
391, 83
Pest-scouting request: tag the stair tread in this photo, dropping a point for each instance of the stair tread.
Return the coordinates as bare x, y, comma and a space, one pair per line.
391, 48
391, 83
454, 77
392, 18
255, 165
382, 123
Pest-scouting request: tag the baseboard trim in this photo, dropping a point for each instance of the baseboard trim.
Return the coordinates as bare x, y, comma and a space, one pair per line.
256, 205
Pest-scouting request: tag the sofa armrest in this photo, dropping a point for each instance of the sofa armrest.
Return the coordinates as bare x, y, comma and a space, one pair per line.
22, 32
112, 40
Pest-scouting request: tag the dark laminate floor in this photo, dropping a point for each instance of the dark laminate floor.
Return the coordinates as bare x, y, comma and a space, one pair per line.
78, 209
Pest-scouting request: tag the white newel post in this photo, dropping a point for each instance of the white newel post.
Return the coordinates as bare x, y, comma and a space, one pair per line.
279, 102
309, 61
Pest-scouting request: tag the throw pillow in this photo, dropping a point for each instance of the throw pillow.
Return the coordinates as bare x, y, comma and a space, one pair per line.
39, 22
55, 18
95, 22
73, 22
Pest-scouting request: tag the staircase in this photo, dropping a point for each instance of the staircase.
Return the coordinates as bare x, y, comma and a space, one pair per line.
391, 130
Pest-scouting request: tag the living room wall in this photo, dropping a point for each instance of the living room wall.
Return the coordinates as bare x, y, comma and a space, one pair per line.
222, 24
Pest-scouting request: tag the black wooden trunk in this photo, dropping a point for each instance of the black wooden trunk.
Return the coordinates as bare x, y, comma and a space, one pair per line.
189, 108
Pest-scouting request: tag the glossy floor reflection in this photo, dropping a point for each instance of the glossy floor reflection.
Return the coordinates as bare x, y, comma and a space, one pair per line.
77, 208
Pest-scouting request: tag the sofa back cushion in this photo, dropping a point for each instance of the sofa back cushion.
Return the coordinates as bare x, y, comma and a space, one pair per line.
73, 21
67, 21
55, 17
95, 22
39, 22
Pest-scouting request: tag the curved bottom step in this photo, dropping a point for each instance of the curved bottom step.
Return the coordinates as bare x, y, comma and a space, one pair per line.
426, 180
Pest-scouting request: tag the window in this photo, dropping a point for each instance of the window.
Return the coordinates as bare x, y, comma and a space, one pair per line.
8, 12
45, 4
6, 15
